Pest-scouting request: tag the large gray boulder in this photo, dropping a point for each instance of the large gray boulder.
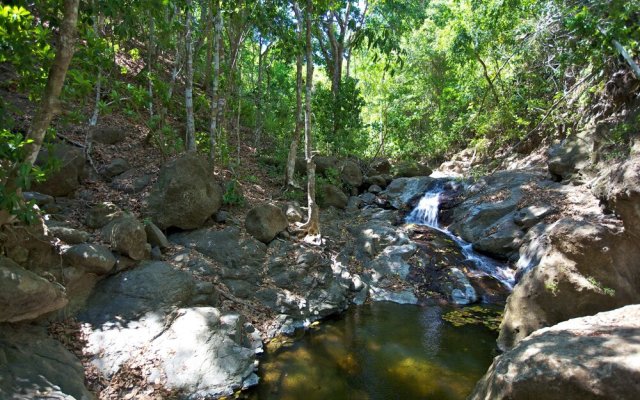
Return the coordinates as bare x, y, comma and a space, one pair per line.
592, 357
351, 174
127, 236
33, 365
185, 194
91, 258
265, 221
69, 235
402, 192
25, 295
411, 170
66, 179
331, 196
578, 268
130, 294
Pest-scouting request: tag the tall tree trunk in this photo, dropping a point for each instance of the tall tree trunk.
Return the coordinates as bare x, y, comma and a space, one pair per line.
210, 43
190, 138
49, 105
150, 60
259, 112
312, 225
93, 121
216, 81
293, 149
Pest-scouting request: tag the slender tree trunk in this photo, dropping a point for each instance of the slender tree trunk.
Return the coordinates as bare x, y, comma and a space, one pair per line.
259, 114
293, 149
216, 81
188, 91
210, 43
312, 225
93, 121
150, 60
49, 105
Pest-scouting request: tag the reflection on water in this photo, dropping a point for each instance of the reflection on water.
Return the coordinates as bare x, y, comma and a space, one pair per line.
379, 351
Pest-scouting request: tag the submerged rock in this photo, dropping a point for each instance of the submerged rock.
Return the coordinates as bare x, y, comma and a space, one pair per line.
592, 357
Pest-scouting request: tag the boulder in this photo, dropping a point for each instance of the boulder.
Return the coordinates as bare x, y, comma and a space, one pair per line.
42, 200
410, 170
331, 196
376, 180
265, 221
379, 166
368, 198
36, 366
154, 285
91, 258
375, 189
402, 192
571, 155
116, 167
155, 236
583, 267
127, 236
235, 254
325, 163
185, 194
351, 174
69, 235
101, 214
593, 357
25, 295
66, 179
108, 135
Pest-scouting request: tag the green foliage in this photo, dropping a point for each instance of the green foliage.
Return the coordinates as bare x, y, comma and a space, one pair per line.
233, 194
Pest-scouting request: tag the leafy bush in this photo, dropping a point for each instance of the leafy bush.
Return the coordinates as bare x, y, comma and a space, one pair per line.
233, 194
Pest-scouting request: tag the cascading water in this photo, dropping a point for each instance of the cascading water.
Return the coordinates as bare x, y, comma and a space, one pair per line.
426, 213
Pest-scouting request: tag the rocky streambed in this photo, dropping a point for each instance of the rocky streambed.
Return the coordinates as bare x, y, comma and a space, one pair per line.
192, 322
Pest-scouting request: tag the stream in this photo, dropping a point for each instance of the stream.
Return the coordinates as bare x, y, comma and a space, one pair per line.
385, 350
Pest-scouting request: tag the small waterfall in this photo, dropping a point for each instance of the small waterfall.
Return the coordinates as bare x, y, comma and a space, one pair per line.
426, 213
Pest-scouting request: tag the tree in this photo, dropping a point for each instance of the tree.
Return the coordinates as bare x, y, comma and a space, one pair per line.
312, 226
49, 105
293, 149
188, 90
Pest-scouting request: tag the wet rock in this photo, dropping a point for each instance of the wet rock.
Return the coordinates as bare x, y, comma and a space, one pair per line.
25, 295
368, 198
185, 194
91, 258
128, 237
36, 366
375, 189
265, 221
101, 214
354, 203
402, 192
331, 196
65, 180
584, 358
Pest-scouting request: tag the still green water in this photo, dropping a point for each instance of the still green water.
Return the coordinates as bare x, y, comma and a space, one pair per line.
379, 351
